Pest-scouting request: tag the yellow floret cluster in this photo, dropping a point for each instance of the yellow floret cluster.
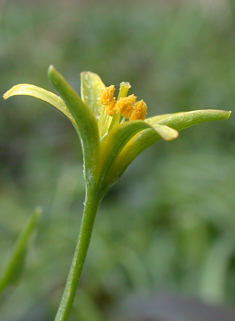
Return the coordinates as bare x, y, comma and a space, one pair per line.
128, 107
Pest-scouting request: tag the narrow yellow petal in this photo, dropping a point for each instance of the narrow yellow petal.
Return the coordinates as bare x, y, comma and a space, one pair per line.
167, 133
40, 93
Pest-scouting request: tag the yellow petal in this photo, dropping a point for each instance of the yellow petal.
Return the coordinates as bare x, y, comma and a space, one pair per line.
40, 93
166, 132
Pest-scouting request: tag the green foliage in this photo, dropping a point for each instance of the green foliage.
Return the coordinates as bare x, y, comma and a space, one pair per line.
15, 266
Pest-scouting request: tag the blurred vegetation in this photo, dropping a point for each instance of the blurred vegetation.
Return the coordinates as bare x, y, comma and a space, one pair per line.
169, 223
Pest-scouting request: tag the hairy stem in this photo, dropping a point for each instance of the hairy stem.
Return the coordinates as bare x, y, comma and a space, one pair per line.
90, 209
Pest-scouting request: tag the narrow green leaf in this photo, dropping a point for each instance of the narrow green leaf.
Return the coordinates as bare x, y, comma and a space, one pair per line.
86, 124
15, 265
40, 93
148, 137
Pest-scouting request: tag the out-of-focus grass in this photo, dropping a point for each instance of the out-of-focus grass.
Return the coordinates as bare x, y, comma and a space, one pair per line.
169, 223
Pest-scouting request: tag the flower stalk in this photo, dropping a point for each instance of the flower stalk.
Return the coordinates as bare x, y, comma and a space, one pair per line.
92, 202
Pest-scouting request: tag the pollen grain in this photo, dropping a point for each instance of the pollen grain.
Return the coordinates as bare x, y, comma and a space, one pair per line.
106, 96
140, 110
125, 106
128, 107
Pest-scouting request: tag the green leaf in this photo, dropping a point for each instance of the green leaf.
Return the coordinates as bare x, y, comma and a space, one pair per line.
86, 124
40, 93
16, 263
148, 137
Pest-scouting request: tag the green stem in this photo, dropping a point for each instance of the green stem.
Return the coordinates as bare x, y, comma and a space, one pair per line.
90, 209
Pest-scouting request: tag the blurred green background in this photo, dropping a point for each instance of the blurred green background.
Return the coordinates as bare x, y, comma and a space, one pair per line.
169, 224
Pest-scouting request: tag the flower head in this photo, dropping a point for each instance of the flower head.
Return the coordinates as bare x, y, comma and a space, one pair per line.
113, 131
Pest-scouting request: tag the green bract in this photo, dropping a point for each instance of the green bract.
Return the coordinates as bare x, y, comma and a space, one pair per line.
105, 162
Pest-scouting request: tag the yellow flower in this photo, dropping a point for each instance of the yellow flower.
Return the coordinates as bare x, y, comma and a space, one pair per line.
109, 141
109, 144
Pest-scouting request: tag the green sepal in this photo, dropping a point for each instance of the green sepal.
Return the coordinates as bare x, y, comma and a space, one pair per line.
113, 144
148, 137
183, 120
15, 266
91, 88
40, 93
86, 124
